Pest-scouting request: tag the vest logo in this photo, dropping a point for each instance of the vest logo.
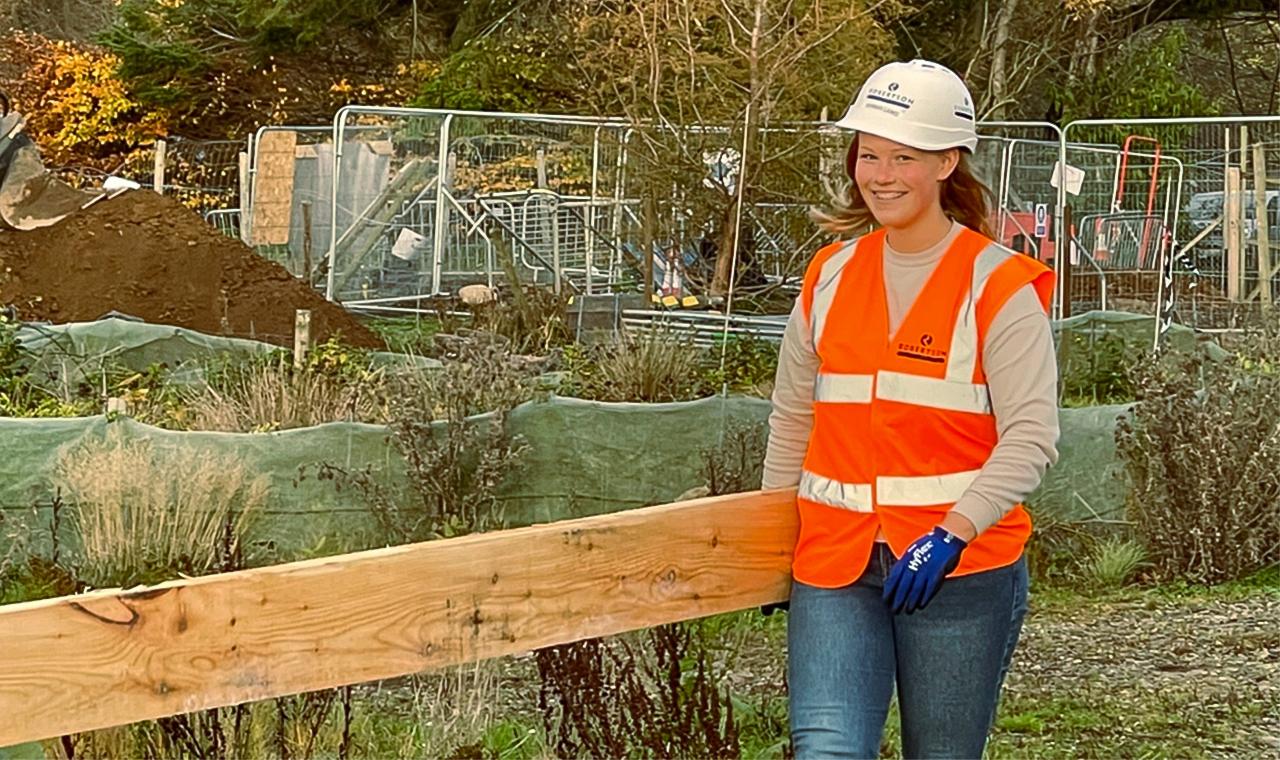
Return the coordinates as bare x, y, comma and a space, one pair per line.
922, 350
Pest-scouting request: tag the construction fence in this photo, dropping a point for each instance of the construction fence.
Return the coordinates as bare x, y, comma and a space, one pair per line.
386, 208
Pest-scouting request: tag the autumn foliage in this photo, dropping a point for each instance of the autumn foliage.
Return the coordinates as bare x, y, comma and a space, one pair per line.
78, 110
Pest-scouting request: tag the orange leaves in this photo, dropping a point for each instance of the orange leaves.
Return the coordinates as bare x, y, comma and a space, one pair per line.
77, 108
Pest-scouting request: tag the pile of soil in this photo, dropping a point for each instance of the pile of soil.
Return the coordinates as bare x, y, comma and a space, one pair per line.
150, 257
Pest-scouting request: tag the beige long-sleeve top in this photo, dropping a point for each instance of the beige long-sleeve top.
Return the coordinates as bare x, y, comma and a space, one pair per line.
1020, 365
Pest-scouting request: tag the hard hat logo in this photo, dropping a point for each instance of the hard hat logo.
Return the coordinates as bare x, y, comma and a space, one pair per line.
919, 103
890, 95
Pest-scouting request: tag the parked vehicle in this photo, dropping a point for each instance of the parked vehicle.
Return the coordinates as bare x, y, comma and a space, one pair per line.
1204, 208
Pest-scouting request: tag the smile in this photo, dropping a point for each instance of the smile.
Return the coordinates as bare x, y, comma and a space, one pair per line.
886, 195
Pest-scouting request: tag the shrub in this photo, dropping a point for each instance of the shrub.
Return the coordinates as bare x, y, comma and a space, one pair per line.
450, 428
78, 109
1202, 449
654, 696
1095, 369
146, 516
21, 396
750, 365
654, 366
737, 464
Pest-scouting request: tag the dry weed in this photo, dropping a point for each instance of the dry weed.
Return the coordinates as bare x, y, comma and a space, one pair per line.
271, 395
145, 515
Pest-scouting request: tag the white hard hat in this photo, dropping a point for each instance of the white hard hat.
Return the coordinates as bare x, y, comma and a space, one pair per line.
921, 104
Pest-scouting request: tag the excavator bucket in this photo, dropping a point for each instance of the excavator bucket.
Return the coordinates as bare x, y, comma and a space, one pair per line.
31, 197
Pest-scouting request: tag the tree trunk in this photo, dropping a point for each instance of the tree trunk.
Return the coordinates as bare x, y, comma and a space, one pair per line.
729, 237
1091, 50
1004, 20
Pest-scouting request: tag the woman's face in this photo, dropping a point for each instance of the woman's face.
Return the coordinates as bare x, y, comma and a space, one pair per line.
900, 185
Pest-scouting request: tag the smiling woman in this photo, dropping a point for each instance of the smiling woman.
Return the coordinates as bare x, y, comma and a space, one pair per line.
915, 407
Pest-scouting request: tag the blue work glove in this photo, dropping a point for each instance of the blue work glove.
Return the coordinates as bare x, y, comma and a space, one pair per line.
916, 577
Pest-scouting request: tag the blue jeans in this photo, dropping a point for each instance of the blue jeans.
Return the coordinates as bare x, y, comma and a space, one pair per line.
846, 650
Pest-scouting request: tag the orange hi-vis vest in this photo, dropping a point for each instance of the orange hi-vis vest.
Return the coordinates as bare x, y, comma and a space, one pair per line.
903, 424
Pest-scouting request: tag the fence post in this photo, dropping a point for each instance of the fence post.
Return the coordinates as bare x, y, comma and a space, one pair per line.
1232, 211
590, 232
555, 246
157, 172
301, 337
306, 241
245, 178
1063, 255
648, 219
442, 209
1263, 220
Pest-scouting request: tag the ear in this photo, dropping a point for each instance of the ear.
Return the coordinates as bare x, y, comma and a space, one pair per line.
950, 160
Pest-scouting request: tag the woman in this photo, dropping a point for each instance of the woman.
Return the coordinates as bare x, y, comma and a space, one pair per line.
915, 407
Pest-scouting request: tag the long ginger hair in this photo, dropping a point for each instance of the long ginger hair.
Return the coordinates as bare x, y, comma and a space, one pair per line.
965, 198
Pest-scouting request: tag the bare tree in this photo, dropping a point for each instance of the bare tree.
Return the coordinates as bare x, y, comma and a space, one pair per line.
711, 83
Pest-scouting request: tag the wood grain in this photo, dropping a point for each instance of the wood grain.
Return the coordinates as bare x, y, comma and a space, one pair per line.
113, 657
273, 188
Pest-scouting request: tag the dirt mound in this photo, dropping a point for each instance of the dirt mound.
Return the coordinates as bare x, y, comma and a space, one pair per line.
150, 257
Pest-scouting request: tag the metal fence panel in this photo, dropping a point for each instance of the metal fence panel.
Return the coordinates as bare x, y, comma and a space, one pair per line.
1163, 215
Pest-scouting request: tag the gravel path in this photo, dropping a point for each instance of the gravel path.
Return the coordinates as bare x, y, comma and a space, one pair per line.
1211, 665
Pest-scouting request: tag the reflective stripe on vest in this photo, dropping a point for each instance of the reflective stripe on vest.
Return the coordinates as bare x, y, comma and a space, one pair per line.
834, 388
824, 290
855, 497
890, 491
964, 340
952, 395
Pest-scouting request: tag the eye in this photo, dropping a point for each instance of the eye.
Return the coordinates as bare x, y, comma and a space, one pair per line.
866, 157
905, 158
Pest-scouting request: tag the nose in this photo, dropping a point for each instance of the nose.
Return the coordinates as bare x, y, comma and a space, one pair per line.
883, 174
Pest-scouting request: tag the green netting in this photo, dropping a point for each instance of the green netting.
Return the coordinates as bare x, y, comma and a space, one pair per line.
1088, 481
1135, 333
71, 352
584, 457
139, 345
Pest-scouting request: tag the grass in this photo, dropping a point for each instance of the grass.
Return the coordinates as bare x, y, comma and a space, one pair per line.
405, 335
267, 393
137, 523
1115, 561
1062, 595
1096, 721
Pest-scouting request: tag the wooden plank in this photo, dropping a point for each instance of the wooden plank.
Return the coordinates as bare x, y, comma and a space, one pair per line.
362, 238
1263, 222
273, 188
113, 657
246, 213
1233, 212
158, 166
